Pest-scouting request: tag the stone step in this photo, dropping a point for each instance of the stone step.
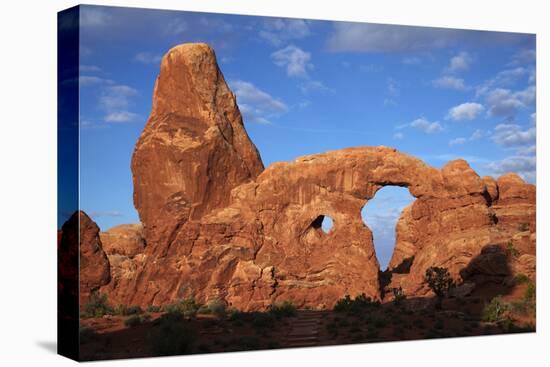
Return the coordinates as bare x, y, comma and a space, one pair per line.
311, 339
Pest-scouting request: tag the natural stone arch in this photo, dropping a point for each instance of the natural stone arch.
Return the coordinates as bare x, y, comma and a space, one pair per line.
220, 226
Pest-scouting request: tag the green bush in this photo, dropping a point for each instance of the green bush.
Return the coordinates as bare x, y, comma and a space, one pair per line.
172, 335
127, 310
213, 307
511, 250
440, 282
495, 310
133, 320
284, 309
154, 309
398, 296
530, 293
262, 321
97, 306
521, 279
186, 307
356, 305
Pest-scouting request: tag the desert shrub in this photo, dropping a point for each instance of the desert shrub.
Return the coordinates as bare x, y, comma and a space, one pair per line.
233, 313
133, 310
172, 335
511, 249
522, 227
284, 309
186, 307
262, 320
530, 293
154, 309
398, 296
214, 307
127, 310
495, 310
133, 320
521, 279
86, 334
356, 305
97, 306
440, 282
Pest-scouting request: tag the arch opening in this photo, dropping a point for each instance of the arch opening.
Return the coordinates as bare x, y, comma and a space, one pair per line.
381, 215
323, 223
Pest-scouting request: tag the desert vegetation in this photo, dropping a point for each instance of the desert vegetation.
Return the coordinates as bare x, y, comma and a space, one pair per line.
186, 326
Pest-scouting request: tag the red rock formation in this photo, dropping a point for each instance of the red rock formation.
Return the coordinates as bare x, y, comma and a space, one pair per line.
217, 226
94, 269
194, 148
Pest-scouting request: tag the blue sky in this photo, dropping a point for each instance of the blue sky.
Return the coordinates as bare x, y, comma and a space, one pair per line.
308, 86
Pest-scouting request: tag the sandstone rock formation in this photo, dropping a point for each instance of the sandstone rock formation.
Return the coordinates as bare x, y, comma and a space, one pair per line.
194, 148
217, 225
80, 235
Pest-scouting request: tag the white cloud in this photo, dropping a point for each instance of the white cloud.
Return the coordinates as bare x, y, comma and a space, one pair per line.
93, 17
514, 135
525, 166
90, 69
147, 58
411, 60
525, 56
528, 150
314, 86
279, 31
459, 63
457, 141
392, 87
502, 79
505, 102
295, 60
465, 111
115, 100
364, 37
398, 136
476, 135
176, 26
121, 116
105, 213
426, 126
255, 104
449, 82
88, 80
392, 92
116, 96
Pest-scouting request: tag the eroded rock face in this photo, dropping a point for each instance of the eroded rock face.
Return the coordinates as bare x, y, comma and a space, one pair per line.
94, 266
216, 225
194, 148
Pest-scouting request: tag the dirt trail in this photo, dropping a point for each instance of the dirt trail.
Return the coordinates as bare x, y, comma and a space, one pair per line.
305, 329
